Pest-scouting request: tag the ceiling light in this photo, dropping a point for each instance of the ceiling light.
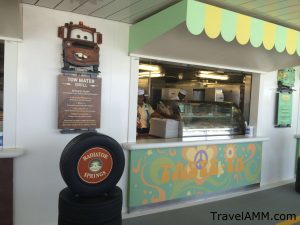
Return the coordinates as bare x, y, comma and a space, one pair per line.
213, 76
150, 74
180, 76
149, 67
206, 72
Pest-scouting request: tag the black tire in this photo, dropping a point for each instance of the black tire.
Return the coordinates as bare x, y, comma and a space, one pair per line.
107, 205
92, 148
117, 221
69, 145
297, 183
103, 209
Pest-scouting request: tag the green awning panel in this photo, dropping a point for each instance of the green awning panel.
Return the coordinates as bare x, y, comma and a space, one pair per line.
214, 21
156, 25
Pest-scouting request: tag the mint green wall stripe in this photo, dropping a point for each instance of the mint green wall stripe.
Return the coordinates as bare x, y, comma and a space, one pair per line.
228, 25
298, 45
257, 31
195, 17
280, 38
147, 30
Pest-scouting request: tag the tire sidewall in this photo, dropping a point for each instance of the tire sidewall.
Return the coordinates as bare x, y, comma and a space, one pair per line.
74, 151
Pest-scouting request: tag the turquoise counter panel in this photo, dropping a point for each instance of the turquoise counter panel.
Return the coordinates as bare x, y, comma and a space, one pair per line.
161, 174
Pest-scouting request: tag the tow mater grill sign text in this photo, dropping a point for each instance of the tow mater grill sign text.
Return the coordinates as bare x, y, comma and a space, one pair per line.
78, 102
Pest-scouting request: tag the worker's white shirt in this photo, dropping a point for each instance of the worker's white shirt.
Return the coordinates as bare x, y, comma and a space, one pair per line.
144, 116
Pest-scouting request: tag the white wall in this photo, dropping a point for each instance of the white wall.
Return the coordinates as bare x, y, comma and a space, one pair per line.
278, 160
10, 93
37, 176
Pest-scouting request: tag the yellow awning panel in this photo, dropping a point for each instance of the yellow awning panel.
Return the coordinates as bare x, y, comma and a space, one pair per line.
212, 21
243, 29
269, 32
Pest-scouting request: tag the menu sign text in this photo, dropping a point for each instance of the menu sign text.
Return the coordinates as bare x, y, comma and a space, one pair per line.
78, 102
284, 109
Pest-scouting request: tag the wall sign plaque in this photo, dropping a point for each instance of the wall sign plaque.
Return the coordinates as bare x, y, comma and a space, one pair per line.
286, 77
284, 97
78, 102
284, 109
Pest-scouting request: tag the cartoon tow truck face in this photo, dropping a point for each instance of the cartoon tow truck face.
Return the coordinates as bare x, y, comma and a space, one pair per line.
80, 46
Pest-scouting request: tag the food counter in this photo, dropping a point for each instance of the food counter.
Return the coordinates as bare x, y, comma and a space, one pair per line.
163, 170
210, 119
201, 119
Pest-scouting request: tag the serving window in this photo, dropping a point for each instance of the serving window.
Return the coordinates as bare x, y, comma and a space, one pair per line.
1, 90
211, 90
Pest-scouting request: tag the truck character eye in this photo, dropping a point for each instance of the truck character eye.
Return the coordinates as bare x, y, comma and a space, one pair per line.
83, 35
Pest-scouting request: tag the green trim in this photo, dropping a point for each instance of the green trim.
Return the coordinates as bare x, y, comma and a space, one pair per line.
298, 46
147, 30
298, 148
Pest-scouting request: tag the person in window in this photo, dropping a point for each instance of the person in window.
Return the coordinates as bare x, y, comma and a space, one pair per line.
171, 110
181, 95
144, 113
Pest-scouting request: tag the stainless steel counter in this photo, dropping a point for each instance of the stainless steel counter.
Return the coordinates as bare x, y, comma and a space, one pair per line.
190, 141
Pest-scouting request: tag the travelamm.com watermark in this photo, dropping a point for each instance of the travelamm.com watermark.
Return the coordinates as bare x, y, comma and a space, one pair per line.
258, 216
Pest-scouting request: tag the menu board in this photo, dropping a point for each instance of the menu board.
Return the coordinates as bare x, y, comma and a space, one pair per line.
284, 109
78, 102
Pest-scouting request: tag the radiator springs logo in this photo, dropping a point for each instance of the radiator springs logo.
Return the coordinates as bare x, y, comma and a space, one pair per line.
94, 165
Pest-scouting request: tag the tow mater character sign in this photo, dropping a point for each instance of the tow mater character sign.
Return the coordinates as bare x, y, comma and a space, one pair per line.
80, 46
79, 86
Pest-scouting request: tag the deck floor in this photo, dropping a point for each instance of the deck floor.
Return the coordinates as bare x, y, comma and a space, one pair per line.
279, 200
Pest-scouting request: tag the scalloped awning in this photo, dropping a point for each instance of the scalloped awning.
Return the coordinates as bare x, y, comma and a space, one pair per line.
216, 23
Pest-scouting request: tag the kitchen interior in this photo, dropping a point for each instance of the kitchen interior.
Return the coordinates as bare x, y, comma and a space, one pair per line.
217, 101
